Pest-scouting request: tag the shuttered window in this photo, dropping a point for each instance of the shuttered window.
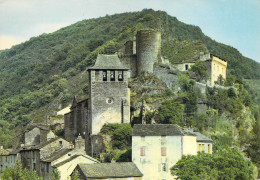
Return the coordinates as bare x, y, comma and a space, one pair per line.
163, 151
142, 151
209, 150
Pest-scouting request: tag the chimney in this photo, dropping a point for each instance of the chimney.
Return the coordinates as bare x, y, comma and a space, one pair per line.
79, 143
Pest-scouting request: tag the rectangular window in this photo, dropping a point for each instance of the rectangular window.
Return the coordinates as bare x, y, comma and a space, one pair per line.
104, 74
112, 75
163, 151
120, 76
186, 67
199, 147
203, 149
60, 142
209, 150
142, 151
164, 167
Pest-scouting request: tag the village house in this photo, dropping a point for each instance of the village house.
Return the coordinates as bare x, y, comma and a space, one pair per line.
157, 147
4, 158
109, 171
65, 160
37, 135
204, 144
32, 155
216, 67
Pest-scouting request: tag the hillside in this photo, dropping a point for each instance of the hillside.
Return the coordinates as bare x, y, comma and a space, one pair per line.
43, 74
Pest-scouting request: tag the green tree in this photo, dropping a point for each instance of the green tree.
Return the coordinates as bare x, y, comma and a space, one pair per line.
18, 173
200, 69
228, 165
75, 175
170, 112
253, 150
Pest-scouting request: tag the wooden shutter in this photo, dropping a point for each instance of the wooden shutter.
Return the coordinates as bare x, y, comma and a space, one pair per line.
163, 151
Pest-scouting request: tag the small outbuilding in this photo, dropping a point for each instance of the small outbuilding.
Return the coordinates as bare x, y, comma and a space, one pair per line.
107, 171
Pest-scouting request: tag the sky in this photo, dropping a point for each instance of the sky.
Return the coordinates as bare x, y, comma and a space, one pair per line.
232, 22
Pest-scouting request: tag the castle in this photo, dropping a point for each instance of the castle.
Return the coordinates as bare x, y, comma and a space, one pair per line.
109, 94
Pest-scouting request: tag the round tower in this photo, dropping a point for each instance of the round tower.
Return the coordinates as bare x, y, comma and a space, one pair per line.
148, 49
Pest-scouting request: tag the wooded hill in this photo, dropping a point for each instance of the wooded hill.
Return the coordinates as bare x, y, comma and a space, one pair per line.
45, 72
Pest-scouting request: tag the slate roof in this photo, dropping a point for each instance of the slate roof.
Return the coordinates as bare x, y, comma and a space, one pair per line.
36, 126
56, 155
26, 148
110, 170
202, 138
105, 61
159, 130
74, 157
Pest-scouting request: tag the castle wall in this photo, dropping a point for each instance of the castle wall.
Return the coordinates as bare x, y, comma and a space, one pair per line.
75, 121
130, 62
148, 50
165, 75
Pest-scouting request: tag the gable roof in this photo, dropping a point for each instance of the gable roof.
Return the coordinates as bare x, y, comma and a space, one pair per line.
110, 170
202, 138
38, 147
105, 61
159, 130
56, 155
74, 157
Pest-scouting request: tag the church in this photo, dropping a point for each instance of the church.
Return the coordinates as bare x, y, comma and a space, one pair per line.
108, 100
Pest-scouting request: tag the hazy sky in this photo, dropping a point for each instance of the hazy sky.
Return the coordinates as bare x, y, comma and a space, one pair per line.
232, 22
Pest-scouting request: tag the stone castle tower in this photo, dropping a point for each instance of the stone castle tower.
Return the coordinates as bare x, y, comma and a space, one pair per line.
148, 50
141, 54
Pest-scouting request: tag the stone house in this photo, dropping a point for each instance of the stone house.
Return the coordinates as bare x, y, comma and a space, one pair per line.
32, 155
37, 135
157, 147
185, 66
4, 158
109, 171
65, 160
